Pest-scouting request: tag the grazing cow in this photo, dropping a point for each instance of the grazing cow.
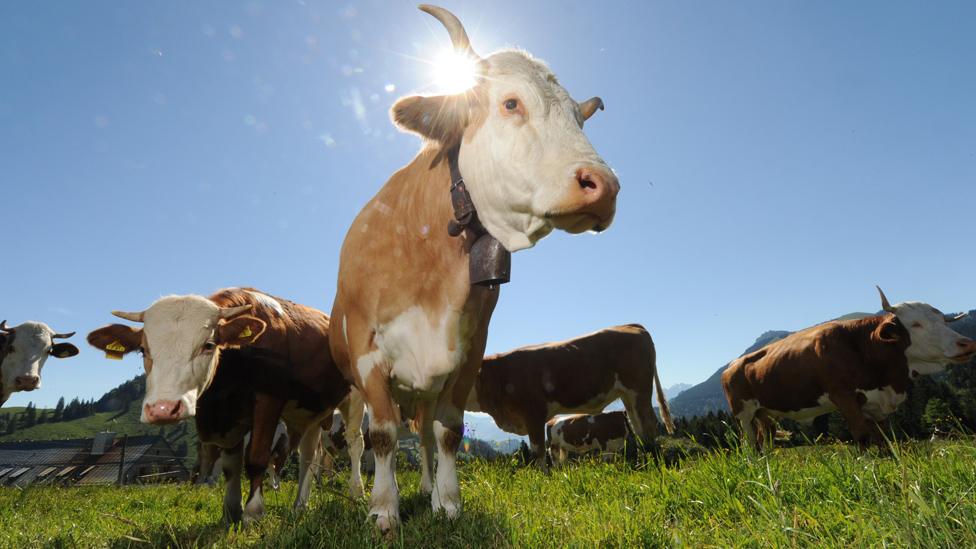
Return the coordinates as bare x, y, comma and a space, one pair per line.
862, 368
524, 388
415, 293
581, 434
238, 361
23, 351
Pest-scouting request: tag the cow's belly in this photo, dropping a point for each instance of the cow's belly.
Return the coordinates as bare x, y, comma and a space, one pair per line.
597, 401
882, 402
422, 352
808, 414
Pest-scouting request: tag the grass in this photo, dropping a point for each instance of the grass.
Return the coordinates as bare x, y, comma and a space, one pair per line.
923, 494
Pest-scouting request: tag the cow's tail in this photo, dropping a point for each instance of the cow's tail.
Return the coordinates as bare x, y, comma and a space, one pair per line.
662, 401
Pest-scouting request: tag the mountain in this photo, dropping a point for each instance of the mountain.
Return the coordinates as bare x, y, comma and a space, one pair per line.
708, 396
675, 390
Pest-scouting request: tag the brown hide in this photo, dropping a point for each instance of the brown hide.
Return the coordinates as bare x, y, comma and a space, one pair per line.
836, 358
524, 388
398, 255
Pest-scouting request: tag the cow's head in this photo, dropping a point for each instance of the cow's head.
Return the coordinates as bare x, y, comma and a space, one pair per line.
934, 345
180, 341
24, 350
523, 155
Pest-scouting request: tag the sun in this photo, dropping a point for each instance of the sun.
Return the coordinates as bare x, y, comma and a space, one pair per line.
454, 72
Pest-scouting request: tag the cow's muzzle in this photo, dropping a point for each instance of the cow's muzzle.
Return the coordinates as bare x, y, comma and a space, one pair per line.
967, 348
27, 383
162, 412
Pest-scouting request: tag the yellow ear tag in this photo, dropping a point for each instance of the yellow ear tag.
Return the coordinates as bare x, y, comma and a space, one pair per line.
246, 333
114, 350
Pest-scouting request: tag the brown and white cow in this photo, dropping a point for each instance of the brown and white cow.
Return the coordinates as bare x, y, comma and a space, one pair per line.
409, 326
862, 368
238, 361
581, 434
208, 466
23, 351
522, 389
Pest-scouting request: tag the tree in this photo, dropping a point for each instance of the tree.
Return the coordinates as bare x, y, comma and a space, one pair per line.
59, 411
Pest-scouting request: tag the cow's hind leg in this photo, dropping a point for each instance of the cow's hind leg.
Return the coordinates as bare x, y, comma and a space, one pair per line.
640, 413
306, 458
232, 462
352, 409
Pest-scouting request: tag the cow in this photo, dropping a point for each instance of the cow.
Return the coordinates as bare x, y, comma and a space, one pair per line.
237, 361
862, 368
23, 351
581, 434
410, 318
524, 388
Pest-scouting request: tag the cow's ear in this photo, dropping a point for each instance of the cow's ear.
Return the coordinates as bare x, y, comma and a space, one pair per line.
892, 331
63, 350
440, 118
116, 340
241, 330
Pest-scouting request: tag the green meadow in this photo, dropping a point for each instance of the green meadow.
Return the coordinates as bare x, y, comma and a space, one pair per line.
919, 494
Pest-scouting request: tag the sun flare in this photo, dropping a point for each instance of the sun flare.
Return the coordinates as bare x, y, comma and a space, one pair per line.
454, 72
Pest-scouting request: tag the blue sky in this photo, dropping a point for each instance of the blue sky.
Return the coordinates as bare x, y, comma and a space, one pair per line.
777, 159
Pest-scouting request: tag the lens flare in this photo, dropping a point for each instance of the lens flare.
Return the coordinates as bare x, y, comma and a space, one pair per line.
454, 72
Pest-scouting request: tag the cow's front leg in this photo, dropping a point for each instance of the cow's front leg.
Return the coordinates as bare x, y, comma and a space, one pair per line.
232, 462
352, 409
448, 429
537, 443
267, 413
849, 406
384, 416
307, 450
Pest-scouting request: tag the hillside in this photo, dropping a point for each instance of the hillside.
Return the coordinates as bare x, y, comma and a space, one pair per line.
708, 396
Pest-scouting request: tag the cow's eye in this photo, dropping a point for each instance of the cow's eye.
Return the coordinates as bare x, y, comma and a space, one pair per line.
511, 105
209, 347
917, 325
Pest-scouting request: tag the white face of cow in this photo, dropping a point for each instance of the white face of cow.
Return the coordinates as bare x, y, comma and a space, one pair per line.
24, 349
523, 155
180, 342
934, 344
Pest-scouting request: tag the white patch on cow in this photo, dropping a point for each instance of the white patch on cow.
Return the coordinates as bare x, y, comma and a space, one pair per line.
254, 509
934, 344
882, 402
384, 502
517, 171
268, 301
345, 331
31, 347
806, 415
422, 351
366, 363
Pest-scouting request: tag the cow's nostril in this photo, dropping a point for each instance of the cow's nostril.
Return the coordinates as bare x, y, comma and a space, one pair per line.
585, 182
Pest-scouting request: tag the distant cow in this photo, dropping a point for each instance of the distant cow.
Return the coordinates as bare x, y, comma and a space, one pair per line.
524, 388
237, 361
582, 434
862, 368
23, 351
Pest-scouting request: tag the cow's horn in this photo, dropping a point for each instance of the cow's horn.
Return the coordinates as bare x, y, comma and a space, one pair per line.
884, 301
62, 336
590, 106
134, 317
229, 312
960, 316
5, 329
459, 37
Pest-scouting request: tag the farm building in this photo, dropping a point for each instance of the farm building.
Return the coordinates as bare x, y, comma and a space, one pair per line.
105, 459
